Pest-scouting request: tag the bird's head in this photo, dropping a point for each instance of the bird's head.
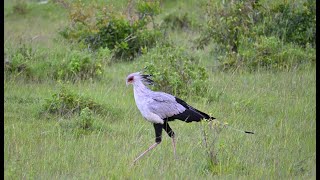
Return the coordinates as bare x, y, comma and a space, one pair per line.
137, 76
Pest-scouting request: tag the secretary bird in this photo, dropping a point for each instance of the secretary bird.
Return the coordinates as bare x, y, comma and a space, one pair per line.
159, 108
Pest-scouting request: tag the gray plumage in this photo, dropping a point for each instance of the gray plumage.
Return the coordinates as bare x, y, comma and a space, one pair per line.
164, 105
157, 106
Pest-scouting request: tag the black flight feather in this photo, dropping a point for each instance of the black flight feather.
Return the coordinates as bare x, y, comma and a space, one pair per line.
190, 114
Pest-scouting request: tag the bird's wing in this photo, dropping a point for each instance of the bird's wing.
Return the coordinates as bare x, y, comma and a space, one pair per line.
164, 105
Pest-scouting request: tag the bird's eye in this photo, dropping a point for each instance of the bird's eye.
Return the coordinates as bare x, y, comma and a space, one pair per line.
130, 79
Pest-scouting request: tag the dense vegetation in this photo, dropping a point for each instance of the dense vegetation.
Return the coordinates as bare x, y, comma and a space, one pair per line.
250, 64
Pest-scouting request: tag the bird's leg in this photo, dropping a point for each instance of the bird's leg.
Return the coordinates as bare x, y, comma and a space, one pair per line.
142, 154
170, 132
174, 146
158, 131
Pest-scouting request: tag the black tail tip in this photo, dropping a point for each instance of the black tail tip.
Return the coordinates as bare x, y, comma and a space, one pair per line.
249, 132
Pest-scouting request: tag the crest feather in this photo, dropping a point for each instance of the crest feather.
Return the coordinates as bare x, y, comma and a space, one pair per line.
147, 79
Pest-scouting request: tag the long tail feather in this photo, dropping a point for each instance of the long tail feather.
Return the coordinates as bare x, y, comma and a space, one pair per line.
192, 114
230, 127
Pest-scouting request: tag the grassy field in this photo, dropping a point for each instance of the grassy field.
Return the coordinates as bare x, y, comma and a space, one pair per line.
280, 107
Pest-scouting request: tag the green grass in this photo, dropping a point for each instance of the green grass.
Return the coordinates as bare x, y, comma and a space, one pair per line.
280, 107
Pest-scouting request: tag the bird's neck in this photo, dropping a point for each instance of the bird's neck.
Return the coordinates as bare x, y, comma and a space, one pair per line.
140, 88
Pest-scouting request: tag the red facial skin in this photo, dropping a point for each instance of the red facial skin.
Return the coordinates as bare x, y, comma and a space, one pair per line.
130, 79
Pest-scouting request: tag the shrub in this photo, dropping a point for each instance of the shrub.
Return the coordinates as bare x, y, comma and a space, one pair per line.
101, 27
19, 59
86, 120
292, 23
59, 63
250, 36
148, 9
79, 65
65, 102
17, 64
173, 69
228, 22
82, 22
269, 53
124, 39
104, 55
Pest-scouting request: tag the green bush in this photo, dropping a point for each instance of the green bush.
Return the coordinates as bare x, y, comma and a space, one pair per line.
79, 65
86, 120
173, 69
250, 36
19, 59
124, 39
104, 55
60, 63
148, 8
18, 63
228, 22
100, 27
292, 23
269, 53
66, 102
